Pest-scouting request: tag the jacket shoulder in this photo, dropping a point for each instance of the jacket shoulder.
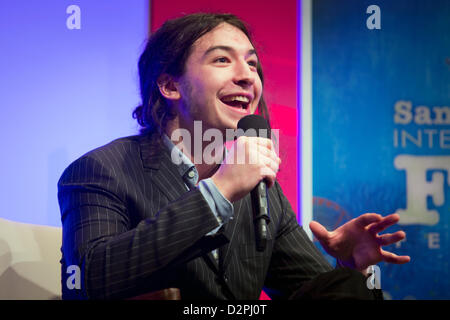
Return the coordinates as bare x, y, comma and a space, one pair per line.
108, 156
119, 146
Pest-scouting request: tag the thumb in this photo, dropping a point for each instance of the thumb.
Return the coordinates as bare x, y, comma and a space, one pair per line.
319, 231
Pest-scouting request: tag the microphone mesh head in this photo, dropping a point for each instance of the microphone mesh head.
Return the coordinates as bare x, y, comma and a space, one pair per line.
258, 123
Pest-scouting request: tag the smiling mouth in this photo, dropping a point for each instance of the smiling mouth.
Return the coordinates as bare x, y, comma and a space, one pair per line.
240, 102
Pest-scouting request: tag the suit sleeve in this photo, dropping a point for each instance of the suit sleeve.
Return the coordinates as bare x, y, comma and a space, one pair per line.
116, 259
295, 259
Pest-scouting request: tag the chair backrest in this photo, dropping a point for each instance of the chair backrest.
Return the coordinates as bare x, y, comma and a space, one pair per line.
29, 261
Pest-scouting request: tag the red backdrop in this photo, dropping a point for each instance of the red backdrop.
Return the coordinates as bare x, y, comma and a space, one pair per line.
274, 28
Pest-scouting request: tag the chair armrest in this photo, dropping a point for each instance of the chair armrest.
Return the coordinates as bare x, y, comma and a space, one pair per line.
165, 294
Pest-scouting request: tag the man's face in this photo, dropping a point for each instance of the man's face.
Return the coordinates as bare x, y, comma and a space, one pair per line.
220, 84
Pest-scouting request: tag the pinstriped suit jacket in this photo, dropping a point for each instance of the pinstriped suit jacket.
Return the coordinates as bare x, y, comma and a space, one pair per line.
132, 227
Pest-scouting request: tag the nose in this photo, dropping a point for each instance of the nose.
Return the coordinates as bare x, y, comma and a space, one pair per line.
244, 76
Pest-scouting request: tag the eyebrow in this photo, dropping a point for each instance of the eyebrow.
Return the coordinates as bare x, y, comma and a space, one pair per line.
229, 49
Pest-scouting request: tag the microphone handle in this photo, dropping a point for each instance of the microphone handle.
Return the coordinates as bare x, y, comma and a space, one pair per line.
261, 215
261, 234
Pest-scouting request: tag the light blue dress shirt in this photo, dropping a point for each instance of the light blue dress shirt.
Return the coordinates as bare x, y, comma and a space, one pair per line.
220, 206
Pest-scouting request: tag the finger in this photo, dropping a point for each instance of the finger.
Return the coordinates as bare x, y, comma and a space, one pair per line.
319, 231
261, 143
271, 162
268, 153
387, 239
258, 140
265, 161
256, 150
265, 142
384, 223
267, 147
269, 176
393, 258
368, 218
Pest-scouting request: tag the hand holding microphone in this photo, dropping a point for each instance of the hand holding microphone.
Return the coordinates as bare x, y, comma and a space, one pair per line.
249, 161
251, 165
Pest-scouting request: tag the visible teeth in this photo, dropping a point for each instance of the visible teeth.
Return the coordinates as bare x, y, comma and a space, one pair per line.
236, 98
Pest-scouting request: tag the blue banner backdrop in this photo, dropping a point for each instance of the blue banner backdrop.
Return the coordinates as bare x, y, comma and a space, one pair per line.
381, 129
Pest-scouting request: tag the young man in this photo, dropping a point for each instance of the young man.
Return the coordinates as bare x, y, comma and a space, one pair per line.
135, 221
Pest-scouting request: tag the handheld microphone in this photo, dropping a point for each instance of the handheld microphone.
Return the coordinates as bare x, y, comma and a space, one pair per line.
260, 202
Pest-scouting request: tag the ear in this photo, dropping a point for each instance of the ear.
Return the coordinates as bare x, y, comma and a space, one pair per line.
168, 87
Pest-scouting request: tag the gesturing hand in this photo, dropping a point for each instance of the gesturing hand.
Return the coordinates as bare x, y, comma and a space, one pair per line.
356, 244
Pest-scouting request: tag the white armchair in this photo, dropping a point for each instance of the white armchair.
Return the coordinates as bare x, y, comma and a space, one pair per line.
29, 261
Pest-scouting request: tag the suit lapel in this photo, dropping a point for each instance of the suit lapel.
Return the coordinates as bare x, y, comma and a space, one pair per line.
243, 215
226, 251
156, 159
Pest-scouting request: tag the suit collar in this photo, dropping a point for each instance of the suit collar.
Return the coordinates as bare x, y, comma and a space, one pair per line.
164, 173
151, 148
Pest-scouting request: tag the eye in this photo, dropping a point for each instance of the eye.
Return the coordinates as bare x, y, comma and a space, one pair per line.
221, 60
253, 63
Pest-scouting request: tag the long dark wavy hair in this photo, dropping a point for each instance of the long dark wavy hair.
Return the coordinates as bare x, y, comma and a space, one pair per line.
166, 52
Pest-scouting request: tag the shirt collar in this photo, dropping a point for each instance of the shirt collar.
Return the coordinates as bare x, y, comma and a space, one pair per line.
185, 165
